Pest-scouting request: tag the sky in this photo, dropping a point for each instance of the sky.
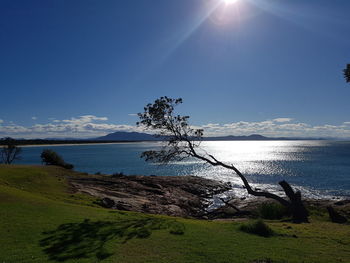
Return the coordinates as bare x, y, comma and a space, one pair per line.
84, 68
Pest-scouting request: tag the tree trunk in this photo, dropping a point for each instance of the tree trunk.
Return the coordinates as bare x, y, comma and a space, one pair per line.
296, 207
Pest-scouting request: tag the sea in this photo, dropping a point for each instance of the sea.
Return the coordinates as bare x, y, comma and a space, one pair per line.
320, 169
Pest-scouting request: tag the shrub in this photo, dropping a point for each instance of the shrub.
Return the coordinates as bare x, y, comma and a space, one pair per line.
257, 228
50, 157
118, 174
177, 228
272, 211
68, 166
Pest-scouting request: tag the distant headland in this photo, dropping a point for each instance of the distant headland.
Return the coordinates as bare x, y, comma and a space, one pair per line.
121, 136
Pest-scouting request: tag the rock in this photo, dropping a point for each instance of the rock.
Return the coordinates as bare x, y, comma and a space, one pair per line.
342, 202
335, 216
184, 196
107, 202
123, 206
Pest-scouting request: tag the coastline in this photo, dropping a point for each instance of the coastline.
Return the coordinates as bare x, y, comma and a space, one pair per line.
286, 162
78, 144
183, 196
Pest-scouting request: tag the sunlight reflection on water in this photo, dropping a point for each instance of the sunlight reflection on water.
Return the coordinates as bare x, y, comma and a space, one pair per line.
267, 162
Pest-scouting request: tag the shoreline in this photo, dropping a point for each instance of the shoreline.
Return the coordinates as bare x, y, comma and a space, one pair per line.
77, 144
184, 196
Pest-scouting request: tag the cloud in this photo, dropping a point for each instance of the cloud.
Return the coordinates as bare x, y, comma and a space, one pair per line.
89, 126
1, 121
279, 128
34, 118
85, 126
84, 119
132, 114
282, 120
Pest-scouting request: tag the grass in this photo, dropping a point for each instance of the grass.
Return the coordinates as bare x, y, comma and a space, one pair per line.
41, 220
272, 211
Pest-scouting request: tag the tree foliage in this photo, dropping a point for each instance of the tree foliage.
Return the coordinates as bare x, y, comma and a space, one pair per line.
50, 157
181, 142
10, 151
347, 73
181, 138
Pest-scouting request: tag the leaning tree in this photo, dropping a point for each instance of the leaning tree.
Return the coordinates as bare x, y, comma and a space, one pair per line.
181, 142
10, 151
347, 73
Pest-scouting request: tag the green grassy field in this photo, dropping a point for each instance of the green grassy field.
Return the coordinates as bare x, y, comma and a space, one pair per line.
41, 220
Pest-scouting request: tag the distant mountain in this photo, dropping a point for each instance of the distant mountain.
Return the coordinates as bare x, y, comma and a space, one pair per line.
137, 136
128, 136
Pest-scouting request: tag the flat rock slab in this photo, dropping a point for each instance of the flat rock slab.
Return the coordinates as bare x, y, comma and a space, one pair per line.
185, 196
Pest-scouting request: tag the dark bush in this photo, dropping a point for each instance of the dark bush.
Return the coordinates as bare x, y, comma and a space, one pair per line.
120, 174
68, 166
257, 228
177, 229
272, 211
50, 157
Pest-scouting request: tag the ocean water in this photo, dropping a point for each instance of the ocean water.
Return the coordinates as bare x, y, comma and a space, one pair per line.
320, 169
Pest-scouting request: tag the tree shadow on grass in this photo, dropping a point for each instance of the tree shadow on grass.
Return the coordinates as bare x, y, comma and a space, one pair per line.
89, 238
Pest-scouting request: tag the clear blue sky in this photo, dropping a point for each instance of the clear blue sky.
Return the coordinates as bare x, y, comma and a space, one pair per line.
248, 64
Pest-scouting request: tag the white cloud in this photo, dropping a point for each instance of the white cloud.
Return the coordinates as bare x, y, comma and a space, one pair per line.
86, 126
132, 114
1, 121
85, 119
34, 118
282, 119
277, 129
89, 126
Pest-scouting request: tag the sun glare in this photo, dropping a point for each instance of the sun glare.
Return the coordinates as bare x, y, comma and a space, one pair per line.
229, 2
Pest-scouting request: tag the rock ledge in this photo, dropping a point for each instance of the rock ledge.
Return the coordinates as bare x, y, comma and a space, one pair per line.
185, 196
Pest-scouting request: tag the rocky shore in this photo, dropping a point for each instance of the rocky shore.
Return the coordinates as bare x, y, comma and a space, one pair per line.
184, 196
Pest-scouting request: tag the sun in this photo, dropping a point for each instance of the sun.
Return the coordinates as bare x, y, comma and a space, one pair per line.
229, 2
